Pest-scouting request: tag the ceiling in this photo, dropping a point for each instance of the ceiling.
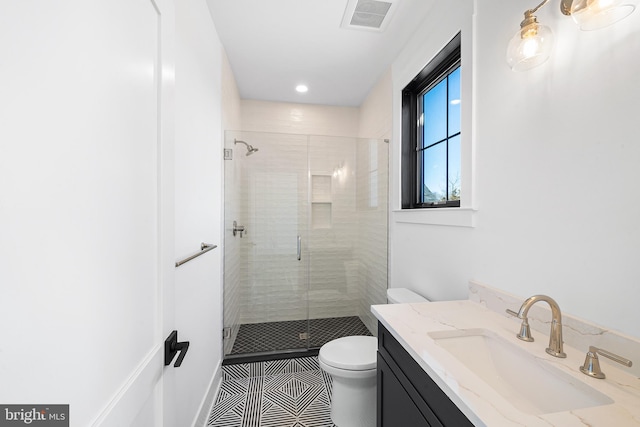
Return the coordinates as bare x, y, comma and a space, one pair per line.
275, 45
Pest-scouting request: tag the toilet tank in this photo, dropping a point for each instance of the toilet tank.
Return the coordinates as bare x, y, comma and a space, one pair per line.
403, 296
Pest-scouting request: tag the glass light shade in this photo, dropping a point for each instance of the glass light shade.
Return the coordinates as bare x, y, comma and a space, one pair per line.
596, 14
529, 47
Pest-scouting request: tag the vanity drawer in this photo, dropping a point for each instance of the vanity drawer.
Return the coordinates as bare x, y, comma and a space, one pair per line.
407, 369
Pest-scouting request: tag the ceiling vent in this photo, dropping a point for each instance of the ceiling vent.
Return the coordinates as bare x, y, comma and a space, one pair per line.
372, 15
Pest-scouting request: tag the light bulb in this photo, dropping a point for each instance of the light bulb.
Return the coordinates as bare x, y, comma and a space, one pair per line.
595, 14
530, 46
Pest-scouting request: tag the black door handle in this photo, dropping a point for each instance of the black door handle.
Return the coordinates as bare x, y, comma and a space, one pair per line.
172, 347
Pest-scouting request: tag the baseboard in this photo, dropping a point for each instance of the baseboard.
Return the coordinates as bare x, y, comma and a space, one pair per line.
209, 398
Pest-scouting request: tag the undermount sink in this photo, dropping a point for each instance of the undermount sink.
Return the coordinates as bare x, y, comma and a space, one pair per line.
530, 384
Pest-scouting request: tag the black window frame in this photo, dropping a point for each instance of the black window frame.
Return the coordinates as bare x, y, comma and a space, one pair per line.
446, 61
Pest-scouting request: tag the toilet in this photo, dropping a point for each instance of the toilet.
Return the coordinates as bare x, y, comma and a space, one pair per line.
351, 362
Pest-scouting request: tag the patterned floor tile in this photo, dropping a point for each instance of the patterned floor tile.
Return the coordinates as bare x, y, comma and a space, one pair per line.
278, 393
235, 371
287, 381
275, 416
234, 386
228, 411
318, 414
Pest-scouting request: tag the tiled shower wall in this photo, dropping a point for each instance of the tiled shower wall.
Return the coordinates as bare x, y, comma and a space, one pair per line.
273, 209
333, 269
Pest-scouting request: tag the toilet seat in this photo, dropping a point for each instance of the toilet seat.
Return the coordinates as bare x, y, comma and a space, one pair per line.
355, 353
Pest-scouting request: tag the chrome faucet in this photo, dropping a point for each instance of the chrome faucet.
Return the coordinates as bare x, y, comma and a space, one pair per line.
555, 337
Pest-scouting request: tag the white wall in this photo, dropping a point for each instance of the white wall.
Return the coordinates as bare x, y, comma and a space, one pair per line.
231, 102
376, 112
307, 119
198, 204
555, 168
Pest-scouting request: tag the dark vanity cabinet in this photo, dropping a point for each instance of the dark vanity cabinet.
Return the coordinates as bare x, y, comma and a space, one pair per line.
407, 396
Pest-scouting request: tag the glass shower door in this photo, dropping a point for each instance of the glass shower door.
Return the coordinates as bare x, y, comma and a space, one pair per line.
266, 264
347, 236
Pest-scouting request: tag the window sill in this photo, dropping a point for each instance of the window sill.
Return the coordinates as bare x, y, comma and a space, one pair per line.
455, 217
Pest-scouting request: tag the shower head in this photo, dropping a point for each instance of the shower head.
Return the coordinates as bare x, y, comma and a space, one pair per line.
250, 148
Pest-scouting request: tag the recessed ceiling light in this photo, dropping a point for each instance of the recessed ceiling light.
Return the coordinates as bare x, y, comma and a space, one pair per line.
302, 88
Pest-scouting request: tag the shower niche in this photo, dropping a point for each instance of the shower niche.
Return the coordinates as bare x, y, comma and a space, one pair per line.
320, 201
315, 258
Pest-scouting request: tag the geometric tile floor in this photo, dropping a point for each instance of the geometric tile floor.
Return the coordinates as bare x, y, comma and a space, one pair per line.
274, 336
276, 393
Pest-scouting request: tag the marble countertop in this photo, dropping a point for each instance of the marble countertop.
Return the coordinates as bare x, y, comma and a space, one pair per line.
411, 324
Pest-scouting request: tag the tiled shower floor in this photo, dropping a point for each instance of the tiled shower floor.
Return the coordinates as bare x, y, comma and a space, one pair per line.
274, 336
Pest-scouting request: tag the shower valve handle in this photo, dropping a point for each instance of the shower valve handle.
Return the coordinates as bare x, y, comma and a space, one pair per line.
238, 229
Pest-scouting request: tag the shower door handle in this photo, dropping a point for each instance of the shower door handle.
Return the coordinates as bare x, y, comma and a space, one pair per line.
299, 247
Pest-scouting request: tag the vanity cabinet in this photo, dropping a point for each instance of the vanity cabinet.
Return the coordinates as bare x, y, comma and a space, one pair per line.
407, 396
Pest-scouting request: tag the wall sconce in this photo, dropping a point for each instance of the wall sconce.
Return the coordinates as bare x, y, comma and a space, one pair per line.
532, 44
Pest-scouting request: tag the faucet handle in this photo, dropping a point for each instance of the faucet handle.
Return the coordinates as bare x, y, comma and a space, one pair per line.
591, 364
513, 313
525, 329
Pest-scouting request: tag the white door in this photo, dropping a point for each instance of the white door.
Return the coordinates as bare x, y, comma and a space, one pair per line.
86, 227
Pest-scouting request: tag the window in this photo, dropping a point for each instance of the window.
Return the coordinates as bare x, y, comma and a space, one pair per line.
431, 130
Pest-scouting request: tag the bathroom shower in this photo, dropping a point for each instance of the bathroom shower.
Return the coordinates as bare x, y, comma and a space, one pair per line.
316, 257
250, 148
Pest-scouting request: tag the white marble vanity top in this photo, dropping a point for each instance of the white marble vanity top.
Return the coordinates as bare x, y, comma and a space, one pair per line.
411, 324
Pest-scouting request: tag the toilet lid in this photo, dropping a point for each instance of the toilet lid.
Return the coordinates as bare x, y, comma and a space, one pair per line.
357, 353
403, 296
